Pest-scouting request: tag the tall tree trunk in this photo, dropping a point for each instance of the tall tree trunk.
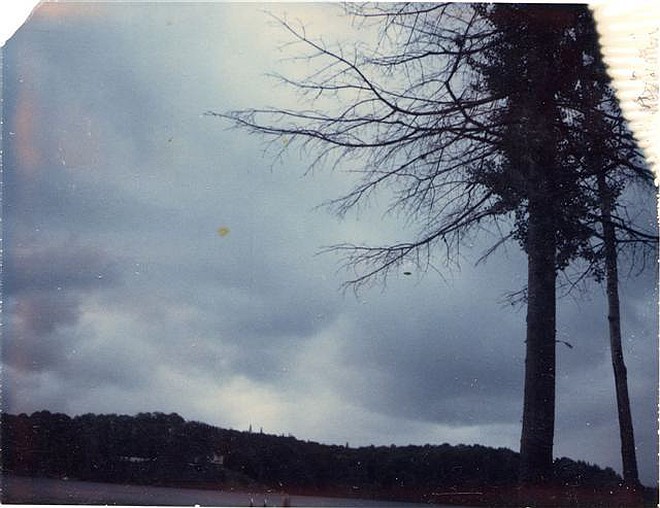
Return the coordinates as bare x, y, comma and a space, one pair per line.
628, 455
538, 424
538, 120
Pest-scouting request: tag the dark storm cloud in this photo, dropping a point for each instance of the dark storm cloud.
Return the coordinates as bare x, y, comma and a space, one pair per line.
45, 284
255, 304
75, 203
55, 268
33, 321
437, 357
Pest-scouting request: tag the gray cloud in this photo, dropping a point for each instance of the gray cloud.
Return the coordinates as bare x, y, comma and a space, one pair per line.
443, 350
32, 325
45, 283
56, 266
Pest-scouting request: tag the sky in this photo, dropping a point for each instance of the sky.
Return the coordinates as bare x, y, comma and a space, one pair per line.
157, 260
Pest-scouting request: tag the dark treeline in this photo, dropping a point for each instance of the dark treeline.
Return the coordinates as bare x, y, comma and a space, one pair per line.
164, 449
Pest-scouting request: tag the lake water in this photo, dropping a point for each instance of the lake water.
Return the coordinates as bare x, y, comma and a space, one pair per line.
23, 490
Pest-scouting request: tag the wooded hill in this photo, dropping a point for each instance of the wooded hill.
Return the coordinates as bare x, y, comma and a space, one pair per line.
164, 449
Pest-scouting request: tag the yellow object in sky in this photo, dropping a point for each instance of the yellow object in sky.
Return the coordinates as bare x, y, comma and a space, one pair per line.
223, 231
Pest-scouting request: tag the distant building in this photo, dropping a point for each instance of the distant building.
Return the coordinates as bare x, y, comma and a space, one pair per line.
135, 460
217, 459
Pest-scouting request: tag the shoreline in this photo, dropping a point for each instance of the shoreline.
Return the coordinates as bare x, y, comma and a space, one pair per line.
18, 489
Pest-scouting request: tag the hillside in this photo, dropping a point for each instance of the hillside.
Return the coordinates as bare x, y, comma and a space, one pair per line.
164, 449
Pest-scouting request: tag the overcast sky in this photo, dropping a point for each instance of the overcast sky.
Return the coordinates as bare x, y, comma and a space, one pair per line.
157, 261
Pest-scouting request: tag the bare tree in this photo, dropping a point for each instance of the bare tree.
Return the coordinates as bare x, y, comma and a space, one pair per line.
456, 113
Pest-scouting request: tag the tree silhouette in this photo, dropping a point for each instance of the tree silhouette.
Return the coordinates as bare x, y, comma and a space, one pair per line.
111, 449
459, 113
612, 164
